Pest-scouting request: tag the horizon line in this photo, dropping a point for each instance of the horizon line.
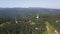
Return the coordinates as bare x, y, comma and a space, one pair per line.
29, 7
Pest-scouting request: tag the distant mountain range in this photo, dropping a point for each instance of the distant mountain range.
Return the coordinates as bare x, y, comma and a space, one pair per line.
4, 12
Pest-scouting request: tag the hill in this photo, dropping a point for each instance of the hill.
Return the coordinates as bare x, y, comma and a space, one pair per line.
10, 12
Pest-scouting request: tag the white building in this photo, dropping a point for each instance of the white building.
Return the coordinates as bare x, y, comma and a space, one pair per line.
56, 31
37, 16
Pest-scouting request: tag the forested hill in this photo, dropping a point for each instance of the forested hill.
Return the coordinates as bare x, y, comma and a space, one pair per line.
27, 11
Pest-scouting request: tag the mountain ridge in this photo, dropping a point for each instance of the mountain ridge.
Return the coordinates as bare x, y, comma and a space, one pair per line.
27, 11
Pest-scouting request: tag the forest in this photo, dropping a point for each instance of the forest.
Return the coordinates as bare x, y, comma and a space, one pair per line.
29, 21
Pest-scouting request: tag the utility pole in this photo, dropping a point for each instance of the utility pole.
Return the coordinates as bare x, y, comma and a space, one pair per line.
16, 25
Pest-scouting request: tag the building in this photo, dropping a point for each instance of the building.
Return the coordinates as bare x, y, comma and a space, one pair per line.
37, 16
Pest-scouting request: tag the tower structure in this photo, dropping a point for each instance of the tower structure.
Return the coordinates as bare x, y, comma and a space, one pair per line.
16, 20
37, 16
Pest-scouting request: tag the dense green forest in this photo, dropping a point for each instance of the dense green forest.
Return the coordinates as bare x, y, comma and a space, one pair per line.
27, 22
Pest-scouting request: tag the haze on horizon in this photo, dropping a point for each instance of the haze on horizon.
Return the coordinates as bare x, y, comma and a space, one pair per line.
30, 3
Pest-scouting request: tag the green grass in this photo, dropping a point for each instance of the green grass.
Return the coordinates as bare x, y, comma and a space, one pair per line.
50, 29
1, 25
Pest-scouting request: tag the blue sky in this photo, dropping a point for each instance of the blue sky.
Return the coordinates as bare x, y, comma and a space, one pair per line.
30, 3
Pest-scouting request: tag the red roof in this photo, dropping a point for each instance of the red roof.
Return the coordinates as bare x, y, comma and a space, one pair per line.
58, 32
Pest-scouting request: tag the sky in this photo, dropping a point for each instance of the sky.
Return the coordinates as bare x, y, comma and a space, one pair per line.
30, 3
